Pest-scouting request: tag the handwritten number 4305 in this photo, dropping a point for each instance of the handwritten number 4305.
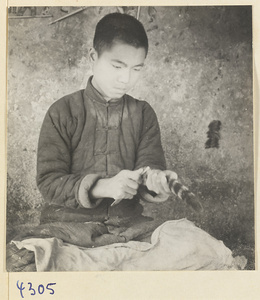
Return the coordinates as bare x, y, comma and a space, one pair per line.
41, 288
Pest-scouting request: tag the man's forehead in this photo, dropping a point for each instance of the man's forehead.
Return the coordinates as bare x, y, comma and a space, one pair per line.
123, 63
124, 53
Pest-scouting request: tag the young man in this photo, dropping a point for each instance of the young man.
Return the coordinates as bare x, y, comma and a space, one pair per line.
95, 144
95, 147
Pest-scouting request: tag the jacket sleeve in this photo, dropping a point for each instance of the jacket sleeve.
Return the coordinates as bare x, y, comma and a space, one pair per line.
54, 179
150, 151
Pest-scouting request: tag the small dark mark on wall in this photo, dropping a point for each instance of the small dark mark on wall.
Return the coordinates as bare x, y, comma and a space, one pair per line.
152, 28
213, 134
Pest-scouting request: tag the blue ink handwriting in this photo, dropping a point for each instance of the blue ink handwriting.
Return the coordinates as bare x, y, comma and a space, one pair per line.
41, 289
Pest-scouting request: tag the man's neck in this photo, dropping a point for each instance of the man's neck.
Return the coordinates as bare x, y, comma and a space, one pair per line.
107, 99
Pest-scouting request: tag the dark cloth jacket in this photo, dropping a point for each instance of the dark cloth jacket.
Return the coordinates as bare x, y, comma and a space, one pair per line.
84, 138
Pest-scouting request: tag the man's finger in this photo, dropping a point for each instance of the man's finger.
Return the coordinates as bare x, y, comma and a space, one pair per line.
128, 196
161, 183
132, 184
130, 190
135, 175
164, 184
170, 174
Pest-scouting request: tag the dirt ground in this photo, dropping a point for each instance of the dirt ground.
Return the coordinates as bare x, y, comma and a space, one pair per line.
199, 69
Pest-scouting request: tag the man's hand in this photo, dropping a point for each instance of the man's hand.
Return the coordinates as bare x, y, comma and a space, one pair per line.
157, 181
124, 185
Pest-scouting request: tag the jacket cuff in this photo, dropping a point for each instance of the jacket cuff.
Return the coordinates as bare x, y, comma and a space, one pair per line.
82, 194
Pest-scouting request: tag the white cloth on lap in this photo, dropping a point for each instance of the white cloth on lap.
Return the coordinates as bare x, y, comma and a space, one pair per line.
175, 245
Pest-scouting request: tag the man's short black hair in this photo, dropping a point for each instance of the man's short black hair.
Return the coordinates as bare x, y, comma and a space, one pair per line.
117, 27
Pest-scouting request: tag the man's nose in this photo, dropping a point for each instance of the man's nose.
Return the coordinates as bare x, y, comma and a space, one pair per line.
124, 76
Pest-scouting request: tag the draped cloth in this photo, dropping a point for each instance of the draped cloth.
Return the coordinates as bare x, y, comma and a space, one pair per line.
175, 245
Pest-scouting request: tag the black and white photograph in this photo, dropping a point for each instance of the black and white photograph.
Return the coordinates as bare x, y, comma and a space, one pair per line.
130, 139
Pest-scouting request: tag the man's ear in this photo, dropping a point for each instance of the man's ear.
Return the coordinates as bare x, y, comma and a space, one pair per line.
93, 55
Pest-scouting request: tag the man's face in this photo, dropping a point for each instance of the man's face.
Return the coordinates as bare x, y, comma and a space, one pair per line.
116, 70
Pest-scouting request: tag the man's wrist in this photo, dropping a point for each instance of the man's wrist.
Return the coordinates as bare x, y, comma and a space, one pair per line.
99, 190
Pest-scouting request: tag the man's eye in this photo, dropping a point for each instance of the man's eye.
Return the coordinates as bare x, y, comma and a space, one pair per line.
117, 67
137, 69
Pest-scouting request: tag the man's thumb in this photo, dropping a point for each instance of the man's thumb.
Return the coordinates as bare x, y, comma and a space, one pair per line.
139, 172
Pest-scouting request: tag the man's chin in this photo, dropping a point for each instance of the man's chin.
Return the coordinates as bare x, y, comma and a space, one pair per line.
117, 95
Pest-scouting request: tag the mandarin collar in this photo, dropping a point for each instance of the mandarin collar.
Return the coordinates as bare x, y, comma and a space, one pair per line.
95, 96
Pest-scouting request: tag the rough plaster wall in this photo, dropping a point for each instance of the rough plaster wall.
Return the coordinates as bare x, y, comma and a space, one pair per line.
199, 69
